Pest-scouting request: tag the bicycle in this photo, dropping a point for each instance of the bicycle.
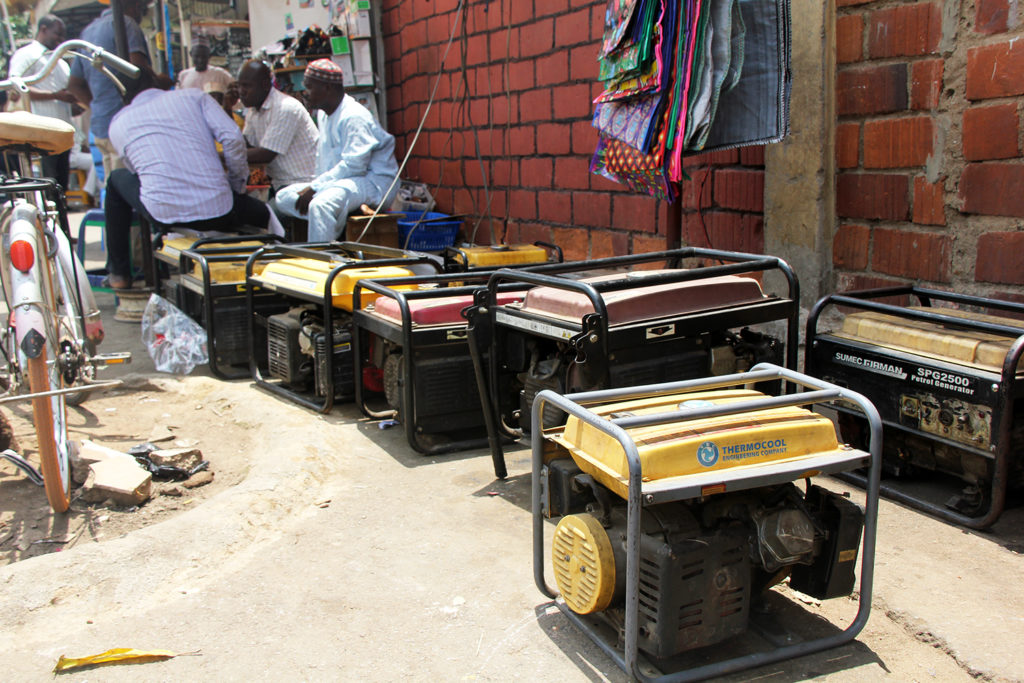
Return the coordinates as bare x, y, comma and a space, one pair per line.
48, 345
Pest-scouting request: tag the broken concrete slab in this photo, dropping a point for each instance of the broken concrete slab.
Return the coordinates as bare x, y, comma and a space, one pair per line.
182, 458
87, 454
121, 481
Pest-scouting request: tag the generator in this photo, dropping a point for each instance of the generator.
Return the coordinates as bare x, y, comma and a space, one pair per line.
679, 511
298, 348
415, 342
469, 258
308, 355
943, 370
577, 331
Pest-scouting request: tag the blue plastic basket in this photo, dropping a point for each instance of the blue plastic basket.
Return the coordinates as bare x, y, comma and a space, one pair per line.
433, 236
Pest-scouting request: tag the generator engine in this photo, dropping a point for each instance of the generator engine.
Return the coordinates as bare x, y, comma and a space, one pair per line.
297, 348
703, 564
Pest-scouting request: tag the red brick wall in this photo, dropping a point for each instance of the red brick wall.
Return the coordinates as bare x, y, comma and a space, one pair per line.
518, 82
930, 182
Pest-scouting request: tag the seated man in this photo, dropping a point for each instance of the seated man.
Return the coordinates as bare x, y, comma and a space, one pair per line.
174, 175
355, 158
278, 129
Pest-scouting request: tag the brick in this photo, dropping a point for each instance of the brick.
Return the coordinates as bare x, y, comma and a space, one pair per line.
993, 189
535, 172
924, 256
605, 243
644, 245
873, 196
583, 64
505, 172
523, 205
555, 207
535, 232
123, 482
476, 50
575, 243
990, 132
572, 28
521, 11
695, 193
535, 105
992, 16
995, 70
554, 138
850, 282
634, 212
553, 68
926, 83
728, 230
520, 75
537, 37
742, 190
572, 102
1000, 258
847, 145
591, 208
584, 137
849, 38
850, 247
871, 90
898, 143
752, 156
929, 202
723, 157
523, 140
906, 30
573, 173
849, 3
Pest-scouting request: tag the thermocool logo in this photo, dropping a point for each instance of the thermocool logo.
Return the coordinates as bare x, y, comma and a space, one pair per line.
707, 454
754, 449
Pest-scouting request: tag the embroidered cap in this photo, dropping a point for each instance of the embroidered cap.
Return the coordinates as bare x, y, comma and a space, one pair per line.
324, 70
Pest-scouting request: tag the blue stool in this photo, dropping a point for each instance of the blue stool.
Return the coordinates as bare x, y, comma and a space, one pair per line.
94, 217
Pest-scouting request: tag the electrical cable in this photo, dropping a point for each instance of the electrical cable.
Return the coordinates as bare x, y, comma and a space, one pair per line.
419, 129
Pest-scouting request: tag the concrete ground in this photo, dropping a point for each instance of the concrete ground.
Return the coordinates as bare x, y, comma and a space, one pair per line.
343, 555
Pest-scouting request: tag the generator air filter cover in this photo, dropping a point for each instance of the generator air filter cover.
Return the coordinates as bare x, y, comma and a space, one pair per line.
688, 447
502, 255
646, 302
965, 347
584, 564
308, 277
435, 311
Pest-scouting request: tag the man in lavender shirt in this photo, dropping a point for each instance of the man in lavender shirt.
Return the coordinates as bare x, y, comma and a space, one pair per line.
173, 173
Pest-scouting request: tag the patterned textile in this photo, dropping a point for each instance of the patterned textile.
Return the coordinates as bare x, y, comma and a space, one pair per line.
632, 122
324, 70
642, 173
616, 20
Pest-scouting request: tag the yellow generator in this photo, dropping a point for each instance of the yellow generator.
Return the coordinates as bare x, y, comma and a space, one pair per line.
679, 510
944, 371
465, 258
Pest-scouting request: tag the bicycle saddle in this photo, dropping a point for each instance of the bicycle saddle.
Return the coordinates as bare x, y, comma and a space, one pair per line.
26, 132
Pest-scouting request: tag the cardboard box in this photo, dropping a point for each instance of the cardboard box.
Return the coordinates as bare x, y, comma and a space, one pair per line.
383, 231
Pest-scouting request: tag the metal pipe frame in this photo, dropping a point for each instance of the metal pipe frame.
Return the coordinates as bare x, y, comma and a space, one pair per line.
483, 321
1008, 388
344, 255
627, 658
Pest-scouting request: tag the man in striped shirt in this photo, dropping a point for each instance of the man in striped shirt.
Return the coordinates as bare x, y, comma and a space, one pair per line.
278, 129
173, 174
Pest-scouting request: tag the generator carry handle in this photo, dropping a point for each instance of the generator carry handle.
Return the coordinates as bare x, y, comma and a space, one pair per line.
820, 392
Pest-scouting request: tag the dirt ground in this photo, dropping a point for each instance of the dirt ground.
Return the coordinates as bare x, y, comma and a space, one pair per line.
325, 549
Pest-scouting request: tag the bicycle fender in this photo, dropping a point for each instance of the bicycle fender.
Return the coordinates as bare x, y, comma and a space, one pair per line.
27, 288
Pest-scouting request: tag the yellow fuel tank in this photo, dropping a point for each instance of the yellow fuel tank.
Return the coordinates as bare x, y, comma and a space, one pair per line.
500, 255
308, 277
688, 447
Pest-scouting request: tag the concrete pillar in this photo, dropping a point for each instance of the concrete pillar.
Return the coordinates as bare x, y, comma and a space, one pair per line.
799, 185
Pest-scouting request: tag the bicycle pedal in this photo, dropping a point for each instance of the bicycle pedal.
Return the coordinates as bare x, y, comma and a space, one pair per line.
120, 358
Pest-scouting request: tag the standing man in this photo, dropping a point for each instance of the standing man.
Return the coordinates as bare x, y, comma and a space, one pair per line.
201, 72
355, 157
49, 97
278, 129
173, 174
89, 85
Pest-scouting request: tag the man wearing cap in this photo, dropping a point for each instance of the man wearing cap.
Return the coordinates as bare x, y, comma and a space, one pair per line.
202, 74
91, 86
278, 129
355, 157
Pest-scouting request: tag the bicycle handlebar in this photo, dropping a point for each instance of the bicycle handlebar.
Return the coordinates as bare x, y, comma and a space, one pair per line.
97, 56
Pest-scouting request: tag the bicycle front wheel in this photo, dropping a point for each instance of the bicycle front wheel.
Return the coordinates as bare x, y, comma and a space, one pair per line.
49, 418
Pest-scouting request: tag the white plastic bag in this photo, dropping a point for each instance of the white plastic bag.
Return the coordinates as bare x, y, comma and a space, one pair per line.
175, 342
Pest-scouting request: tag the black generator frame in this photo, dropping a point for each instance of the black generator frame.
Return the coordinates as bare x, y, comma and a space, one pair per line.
595, 339
642, 493
1009, 389
209, 292
346, 255
409, 337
